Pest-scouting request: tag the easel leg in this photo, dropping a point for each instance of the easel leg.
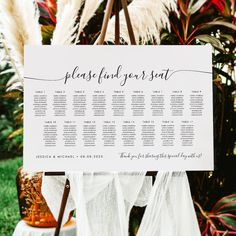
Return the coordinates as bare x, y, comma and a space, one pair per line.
128, 22
63, 206
106, 18
117, 22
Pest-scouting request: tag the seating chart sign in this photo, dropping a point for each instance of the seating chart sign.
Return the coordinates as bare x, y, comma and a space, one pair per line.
118, 108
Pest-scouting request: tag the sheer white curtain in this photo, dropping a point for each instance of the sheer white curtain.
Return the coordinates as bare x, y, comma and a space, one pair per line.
103, 202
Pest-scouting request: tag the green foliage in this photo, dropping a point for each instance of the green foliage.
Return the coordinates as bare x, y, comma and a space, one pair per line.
9, 214
10, 116
201, 22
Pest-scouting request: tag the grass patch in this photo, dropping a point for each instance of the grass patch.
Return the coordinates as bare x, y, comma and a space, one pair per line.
9, 208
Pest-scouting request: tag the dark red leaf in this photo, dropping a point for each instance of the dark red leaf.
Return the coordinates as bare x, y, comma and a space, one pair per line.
219, 4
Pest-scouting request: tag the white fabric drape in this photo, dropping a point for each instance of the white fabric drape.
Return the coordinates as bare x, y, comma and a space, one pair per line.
103, 202
170, 210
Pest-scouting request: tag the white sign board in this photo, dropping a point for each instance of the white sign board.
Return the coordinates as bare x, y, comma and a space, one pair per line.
118, 108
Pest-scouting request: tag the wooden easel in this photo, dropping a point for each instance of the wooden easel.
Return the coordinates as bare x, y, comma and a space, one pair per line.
111, 4
63, 201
